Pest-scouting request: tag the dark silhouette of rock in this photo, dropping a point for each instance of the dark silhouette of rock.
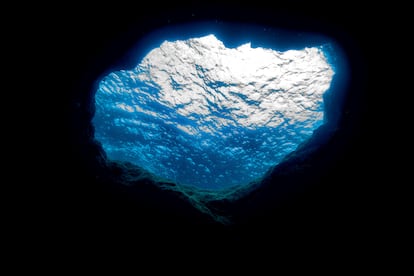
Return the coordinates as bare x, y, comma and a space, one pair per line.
316, 193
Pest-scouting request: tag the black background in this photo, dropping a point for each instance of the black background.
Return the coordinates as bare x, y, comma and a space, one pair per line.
339, 210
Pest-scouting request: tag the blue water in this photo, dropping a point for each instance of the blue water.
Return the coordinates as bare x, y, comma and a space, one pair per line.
226, 157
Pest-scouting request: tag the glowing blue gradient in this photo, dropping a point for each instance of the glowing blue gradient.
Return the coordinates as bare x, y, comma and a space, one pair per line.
201, 114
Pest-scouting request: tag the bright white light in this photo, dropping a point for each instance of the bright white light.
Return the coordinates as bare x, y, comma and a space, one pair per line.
285, 84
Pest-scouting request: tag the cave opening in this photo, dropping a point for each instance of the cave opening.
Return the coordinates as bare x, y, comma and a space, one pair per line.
214, 112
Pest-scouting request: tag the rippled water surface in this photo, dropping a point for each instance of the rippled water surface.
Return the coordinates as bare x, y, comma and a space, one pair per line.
199, 113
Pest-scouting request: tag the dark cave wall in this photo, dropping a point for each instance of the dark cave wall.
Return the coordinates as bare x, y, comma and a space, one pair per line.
319, 191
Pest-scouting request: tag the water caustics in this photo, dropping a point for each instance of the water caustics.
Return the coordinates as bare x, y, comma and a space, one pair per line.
200, 114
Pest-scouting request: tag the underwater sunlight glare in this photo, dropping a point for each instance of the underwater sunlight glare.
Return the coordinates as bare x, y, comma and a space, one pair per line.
201, 114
